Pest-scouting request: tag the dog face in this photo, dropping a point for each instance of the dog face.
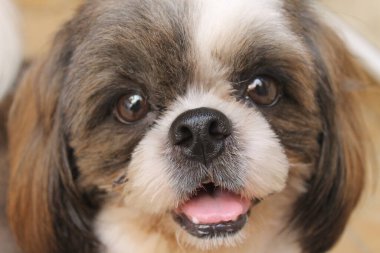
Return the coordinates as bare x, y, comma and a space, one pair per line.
201, 125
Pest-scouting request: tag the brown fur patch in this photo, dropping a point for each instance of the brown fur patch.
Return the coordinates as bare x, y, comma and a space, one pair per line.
335, 188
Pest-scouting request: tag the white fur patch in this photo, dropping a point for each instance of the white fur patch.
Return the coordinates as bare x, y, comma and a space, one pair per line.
223, 26
10, 46
121, 230
219, 20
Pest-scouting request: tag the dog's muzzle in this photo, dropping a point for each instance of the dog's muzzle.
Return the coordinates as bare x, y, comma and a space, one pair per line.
211, 211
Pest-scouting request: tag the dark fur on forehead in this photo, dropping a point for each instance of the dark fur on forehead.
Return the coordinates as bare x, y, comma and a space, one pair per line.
145, 43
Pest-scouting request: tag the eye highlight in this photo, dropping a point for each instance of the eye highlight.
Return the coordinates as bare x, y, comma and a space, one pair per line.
131, 107
264, 91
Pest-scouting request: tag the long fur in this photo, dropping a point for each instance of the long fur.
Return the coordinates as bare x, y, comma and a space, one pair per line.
55, 194
330, 200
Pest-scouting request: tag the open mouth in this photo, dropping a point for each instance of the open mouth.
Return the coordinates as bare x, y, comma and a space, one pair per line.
213, 212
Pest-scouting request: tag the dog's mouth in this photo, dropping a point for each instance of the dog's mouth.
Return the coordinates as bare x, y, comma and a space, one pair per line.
213, 212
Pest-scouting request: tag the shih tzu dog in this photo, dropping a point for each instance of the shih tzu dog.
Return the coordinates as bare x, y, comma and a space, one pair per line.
187, 126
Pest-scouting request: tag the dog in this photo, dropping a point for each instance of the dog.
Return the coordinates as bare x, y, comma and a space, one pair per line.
187, 126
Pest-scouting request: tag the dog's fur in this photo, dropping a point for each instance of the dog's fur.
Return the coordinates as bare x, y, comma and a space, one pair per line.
83, 182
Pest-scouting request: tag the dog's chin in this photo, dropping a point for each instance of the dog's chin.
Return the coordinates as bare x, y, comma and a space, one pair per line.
213, 217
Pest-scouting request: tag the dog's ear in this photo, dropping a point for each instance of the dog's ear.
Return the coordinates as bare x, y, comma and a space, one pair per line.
45, 208
336, 187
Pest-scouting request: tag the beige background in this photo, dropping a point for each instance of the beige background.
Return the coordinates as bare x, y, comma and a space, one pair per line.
41, 18
362, 15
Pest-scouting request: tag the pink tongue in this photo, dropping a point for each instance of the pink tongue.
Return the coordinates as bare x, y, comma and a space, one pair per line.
221, 207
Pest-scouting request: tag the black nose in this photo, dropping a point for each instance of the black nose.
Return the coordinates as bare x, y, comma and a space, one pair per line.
200, 133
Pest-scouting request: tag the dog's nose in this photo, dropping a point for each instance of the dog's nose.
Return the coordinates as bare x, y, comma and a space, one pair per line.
200, 133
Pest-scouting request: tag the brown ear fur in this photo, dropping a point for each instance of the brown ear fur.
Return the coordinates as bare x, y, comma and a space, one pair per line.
28, 208
46, 211
336, 187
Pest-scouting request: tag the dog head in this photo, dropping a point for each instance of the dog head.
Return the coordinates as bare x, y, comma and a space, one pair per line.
205, 123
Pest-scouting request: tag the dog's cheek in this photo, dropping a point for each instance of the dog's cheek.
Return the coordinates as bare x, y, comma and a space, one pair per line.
149, 181
265, 162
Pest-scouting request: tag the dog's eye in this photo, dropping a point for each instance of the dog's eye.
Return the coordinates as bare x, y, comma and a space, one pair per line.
131, 108
263, 91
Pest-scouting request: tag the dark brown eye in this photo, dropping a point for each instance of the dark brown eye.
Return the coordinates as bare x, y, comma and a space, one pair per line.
131, 108
264, 91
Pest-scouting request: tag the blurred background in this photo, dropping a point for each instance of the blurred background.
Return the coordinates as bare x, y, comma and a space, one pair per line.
41, 18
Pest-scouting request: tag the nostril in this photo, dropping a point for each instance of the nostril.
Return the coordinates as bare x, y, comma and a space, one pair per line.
215, 131
219, 131
183, 135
